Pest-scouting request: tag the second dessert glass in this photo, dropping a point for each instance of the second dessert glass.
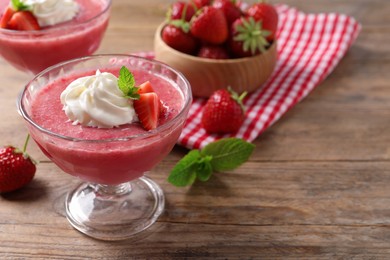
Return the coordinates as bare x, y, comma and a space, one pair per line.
117, 200
34, 51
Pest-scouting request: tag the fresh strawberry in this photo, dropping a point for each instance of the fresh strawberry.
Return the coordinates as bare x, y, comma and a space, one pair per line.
17, 169
242, 5
145, 87
200, 3
23, 21
247, 38
210, 25
223, 112
267, 14
213, 52
148, 108
179, 38
6, 17
230, 9
181, 11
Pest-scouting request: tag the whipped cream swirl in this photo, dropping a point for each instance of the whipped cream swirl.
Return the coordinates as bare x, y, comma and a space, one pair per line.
51, 12
97, 101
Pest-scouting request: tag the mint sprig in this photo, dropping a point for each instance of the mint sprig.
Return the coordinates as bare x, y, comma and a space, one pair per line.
126, 83
18, 5
222, 155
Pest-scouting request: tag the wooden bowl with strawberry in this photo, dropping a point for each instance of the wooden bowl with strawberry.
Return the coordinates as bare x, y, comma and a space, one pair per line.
219, 44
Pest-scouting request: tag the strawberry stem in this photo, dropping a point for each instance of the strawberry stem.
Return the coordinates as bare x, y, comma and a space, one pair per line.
238, 98
26, 143
194, 6
183, 14
182, 24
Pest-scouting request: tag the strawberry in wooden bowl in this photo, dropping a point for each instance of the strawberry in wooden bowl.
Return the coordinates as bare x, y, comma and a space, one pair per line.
221, 45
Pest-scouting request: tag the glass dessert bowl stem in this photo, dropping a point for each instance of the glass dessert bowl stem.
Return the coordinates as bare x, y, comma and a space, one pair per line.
115, 212
116, 201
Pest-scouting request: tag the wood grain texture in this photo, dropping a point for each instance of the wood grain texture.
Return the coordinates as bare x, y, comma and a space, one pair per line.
316, 187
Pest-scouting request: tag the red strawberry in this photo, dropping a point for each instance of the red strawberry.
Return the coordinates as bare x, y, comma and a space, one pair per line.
17, 169
267, 14
200, 3
148, 108
230, 9
247, 38
145, 87
181, 11
23, 21
223, 112
213, 52
210, 25
242, 5
178, 38
6, 17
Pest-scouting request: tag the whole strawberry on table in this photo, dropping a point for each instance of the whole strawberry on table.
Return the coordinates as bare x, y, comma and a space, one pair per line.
17, 169
224, 112
220, 29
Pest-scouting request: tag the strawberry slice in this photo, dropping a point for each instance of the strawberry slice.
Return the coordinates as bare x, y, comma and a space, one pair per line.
145, 87
23, 21
147, 108
7, 15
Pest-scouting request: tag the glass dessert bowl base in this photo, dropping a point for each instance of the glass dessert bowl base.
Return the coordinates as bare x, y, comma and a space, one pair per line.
115, 212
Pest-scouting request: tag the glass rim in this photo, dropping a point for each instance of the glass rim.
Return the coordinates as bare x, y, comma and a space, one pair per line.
151, 133
54, 29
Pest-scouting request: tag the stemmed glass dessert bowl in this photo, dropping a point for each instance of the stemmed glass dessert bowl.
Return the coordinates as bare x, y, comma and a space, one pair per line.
115, 200
35, 50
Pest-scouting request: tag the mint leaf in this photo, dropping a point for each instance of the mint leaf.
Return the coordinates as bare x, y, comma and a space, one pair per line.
225, 154
228, 153
184, 172
204, 169
126, 83
19, 6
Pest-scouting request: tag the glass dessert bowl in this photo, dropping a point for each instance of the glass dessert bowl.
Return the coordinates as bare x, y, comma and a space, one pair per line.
35, 50
116, 200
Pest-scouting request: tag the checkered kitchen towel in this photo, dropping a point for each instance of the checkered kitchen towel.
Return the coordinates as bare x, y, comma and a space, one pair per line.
309, 48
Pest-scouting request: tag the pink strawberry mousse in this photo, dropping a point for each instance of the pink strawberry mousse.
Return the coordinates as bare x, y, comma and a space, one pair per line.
87, 154
36, 50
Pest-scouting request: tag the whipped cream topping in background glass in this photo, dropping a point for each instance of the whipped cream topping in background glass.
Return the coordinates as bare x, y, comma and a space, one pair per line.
51, 12
97, 101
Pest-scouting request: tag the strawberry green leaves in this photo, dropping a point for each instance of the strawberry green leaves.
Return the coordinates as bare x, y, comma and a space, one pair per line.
252, 35
126, 83
222, 155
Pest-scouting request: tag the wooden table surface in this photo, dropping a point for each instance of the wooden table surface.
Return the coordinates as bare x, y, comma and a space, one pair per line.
317, 185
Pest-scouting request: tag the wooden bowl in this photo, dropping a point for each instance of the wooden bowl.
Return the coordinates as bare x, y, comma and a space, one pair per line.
208, 75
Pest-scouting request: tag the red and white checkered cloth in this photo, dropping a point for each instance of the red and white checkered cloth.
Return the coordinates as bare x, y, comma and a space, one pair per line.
309, 48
